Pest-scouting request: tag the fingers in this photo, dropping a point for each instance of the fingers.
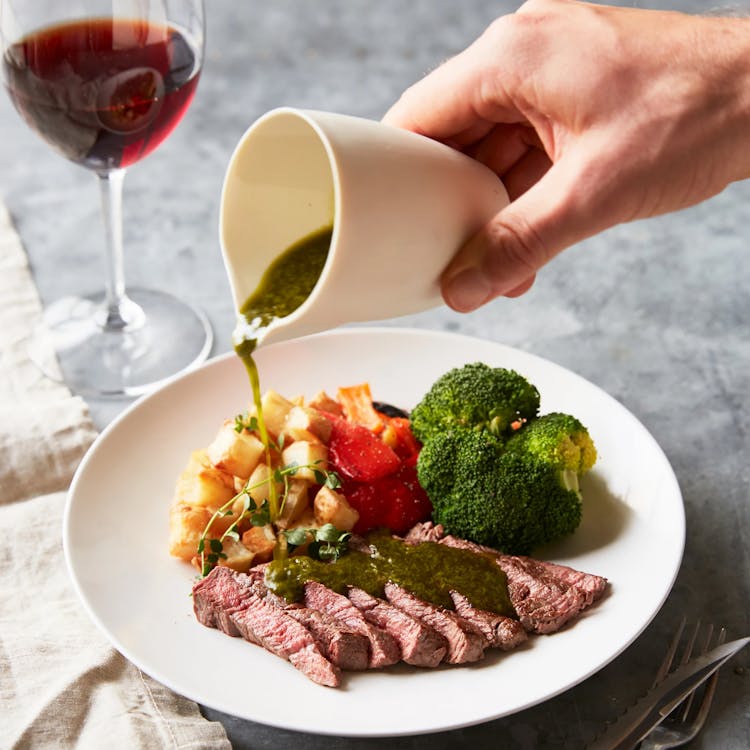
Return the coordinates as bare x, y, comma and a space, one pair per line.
526, 172
504, 257
504, 146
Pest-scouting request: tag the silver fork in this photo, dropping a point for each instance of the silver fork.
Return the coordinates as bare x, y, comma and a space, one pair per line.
688, 718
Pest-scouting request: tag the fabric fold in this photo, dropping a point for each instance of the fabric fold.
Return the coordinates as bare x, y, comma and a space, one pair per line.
62, 685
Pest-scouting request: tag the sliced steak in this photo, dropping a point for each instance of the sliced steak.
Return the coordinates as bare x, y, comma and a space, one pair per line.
226, 594
465, 642
282, 635
426, 531
545, 595
502, 632
384, 649
216, 597
420, 644
342, 645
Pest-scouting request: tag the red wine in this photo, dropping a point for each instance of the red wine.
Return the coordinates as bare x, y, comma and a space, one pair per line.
105, 92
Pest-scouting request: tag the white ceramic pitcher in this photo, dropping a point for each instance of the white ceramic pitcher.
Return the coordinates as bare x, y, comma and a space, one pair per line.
400, 205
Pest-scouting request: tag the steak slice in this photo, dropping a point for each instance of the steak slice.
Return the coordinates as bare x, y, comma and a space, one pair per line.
282, 635
426, 531
545, 595
227, 594
216, 597
384, 649
342, 645
465, 642
502, 632
420, 644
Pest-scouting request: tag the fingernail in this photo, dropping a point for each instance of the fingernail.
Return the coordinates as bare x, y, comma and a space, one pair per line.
467, 290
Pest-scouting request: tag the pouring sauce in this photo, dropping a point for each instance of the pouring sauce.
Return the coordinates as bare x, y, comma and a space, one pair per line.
285, 285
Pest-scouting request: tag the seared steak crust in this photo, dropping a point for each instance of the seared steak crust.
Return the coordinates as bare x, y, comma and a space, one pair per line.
341, 644
547, 596
216, 597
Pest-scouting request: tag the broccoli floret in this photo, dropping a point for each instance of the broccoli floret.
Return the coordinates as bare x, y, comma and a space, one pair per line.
507, 500
457, 471
476, 396
559, 440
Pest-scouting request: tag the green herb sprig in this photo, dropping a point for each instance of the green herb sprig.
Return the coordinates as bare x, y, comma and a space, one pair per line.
326, 543
245, 421
258, 515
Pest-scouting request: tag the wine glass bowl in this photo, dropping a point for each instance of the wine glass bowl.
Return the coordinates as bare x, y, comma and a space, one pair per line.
104, 83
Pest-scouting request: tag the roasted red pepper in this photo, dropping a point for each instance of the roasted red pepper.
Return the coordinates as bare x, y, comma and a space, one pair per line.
357, 453
395, 501
379, 479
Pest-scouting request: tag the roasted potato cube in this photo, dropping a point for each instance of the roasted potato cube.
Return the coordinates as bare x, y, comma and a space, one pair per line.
332, 507
201, 483
186, 524
309, 457
389, 436
303, 418
260, 485
260, 540
307, 519
238, 556
293, 434
235, 452
323, 402
275, 409
295, 504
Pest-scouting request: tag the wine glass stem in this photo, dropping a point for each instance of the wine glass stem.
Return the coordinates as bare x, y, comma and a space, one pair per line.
118, 311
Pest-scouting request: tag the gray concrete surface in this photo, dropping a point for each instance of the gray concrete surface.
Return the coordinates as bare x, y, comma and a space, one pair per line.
655, 312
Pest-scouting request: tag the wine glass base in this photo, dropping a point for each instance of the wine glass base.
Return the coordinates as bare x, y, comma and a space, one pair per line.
71, 345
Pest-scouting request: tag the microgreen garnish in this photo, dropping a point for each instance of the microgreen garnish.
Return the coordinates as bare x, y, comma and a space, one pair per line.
260, 515
245, 422
246, 508
326, 543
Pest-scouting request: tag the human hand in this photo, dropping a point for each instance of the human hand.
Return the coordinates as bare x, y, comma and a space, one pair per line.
592, 116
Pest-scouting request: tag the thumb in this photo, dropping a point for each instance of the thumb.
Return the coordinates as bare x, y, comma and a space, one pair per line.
504, 256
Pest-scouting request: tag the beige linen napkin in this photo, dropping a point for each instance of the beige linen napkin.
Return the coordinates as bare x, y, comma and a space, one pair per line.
61, 684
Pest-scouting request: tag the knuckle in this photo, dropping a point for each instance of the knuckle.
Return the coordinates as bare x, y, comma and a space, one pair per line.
521, 247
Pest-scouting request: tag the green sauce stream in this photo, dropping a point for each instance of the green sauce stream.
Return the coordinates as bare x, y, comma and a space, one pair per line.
285, 285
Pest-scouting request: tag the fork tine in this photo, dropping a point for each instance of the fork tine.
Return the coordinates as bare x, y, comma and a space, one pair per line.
664, 667
687, 719
710, 688
691, 643
688, 702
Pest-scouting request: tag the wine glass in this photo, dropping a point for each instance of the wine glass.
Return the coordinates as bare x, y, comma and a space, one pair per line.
105, 82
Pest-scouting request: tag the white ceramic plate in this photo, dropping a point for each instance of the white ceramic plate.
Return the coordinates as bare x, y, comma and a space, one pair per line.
115, 537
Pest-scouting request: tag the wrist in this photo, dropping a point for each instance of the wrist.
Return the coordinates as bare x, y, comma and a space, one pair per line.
727, 60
